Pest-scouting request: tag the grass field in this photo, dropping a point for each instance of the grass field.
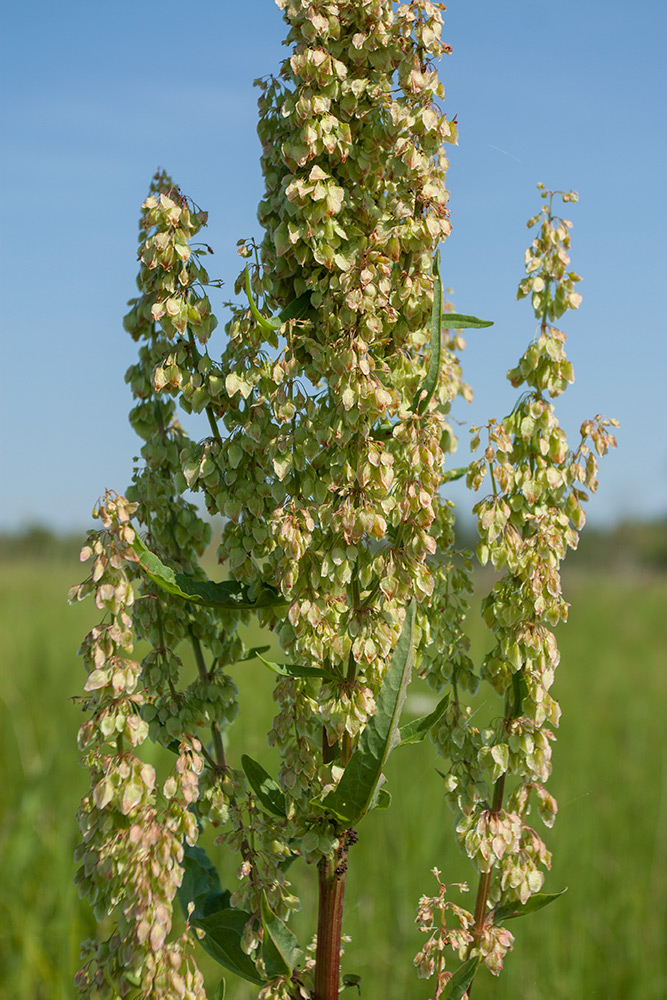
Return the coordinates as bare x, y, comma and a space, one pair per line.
604, 939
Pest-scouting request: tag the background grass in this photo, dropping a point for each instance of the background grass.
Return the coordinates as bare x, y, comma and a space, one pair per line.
604, 938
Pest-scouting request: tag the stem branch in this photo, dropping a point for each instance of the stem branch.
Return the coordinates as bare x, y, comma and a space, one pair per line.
512, 710
485, 878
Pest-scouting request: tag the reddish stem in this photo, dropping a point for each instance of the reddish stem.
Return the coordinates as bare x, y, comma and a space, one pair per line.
331, 879
485, 878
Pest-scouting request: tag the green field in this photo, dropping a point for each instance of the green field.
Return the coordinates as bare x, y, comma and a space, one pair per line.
604, 939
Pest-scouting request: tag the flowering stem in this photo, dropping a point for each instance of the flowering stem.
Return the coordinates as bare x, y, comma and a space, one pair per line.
213, 423
512, 709
220, 761
485, 879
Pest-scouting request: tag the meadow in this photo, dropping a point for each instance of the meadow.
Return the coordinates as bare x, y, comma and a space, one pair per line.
604, 938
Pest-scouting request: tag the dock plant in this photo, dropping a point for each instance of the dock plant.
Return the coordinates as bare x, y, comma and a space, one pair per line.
329, 449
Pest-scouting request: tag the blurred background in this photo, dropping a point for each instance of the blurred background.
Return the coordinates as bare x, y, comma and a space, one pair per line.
95, 98
604, 938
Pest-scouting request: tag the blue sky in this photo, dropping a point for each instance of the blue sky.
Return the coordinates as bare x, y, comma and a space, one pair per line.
96, 96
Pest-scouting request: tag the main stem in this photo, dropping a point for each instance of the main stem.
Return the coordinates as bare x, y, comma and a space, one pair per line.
331, 872
331, 881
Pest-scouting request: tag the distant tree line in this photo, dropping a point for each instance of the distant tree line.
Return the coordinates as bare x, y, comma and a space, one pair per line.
36, 542
627, 545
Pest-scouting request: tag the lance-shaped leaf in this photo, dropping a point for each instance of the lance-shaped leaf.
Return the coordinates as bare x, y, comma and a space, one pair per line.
440, 321
280, 948
268, 324
251, 653
382, 431
461, 321
295, 310
451, 475
266, 788
201, 884
459, 984
418, 729
293, 669
520, 691
228, 595
427, 388
534, 903
358, 786
224, 932
220, 991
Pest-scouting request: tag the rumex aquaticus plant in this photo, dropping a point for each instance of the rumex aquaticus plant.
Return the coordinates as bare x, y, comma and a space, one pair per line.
327, 456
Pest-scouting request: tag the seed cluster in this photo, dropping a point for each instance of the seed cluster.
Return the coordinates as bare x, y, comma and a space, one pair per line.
132, 831
526, 524
329, 478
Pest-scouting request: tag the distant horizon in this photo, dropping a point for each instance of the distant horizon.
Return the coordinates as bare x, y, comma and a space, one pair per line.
466, 523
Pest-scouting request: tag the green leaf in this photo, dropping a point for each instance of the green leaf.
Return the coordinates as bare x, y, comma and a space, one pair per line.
428, 386
382, 430
352, 980
224, 931
381, 799
251, 654
520, 691
460, 982
354, 795
287, 862
534, 903
269, 325
228, 595
293, 669
219, 991
460, 321
451, 475
201, 884
280, 948
266, 788
217, 901
440, 321
418, 729
296, 309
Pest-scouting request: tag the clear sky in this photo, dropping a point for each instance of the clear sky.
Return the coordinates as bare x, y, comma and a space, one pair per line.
96, 96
